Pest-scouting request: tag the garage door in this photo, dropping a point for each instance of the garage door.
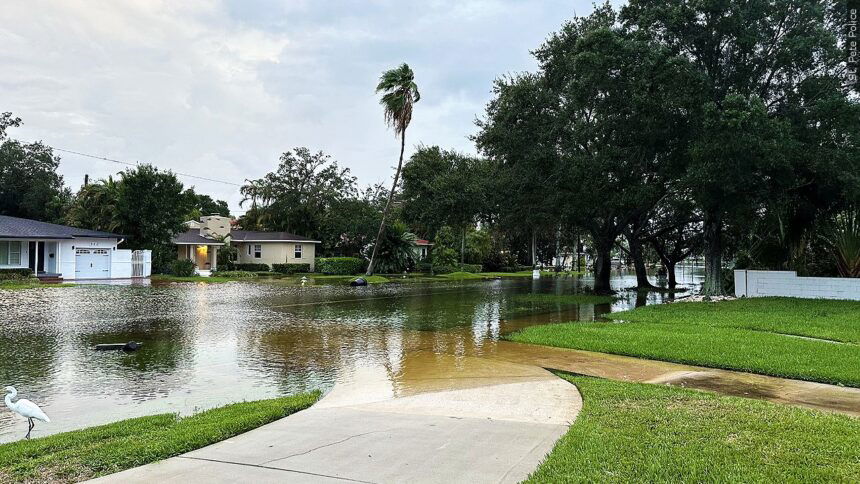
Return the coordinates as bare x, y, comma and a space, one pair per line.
92, 264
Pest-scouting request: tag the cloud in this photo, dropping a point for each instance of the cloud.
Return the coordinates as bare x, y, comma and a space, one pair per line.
221, 88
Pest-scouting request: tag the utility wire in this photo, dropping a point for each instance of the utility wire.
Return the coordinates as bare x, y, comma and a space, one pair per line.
136, 164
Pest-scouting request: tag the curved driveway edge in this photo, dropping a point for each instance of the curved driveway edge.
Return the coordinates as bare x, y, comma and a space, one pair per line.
493, 424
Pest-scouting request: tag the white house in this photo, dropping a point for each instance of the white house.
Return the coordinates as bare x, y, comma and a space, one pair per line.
60, 252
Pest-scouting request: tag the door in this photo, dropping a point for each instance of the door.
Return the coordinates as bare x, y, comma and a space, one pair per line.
92, 264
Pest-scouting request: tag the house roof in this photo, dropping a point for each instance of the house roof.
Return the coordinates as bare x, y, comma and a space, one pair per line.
423, 242
193, 237
22, 228
250, 236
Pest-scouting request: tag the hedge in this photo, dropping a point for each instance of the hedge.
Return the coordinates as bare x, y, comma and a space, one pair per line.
15, 274
235, 274
291, 268
474, 268
344, 266
235, 266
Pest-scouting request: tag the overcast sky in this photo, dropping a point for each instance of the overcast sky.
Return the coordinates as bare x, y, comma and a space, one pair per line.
221, 88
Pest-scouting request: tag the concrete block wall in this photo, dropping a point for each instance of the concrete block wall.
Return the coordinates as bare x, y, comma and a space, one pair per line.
787, 283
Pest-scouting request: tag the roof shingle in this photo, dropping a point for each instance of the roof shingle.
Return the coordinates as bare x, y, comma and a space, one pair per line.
22, 228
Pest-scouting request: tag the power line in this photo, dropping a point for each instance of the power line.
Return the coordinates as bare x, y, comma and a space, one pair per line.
136, 164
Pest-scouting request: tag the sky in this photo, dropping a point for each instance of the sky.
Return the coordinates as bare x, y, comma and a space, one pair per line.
220, 88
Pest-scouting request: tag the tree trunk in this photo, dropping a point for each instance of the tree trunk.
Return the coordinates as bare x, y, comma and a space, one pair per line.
642, 281
713, 232
534, 251
602, 268
670, 270
559, 262
387, 205
463, 247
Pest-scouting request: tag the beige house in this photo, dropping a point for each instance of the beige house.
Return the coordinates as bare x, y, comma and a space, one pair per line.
200, 243
273, 248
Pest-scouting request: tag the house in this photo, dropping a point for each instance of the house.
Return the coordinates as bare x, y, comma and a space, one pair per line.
421, 249
59, 252
203, 238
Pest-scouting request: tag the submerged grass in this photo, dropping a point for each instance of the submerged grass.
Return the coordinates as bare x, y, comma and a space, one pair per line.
632, 432
763, 335
84, 454
19, 285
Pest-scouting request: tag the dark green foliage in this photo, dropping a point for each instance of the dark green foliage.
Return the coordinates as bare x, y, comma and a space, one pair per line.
291, 268
423, 266
200, 204
470, 268
396, 249
251, 267
15, 274
237, 274
30, 186
182, 268
345, 266
311, 195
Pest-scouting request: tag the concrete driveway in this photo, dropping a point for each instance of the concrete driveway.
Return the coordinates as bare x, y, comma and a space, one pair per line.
479, 421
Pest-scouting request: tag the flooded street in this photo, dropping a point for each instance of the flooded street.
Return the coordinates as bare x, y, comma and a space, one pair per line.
210, 344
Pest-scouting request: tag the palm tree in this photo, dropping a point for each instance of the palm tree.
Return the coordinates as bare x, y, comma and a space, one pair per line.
400, 93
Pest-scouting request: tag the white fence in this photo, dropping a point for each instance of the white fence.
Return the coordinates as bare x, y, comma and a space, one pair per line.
141, 263
787, 283
126, 264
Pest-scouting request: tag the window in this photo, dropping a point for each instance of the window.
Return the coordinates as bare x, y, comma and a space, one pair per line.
249, 249
15, 253
297, 253
258, 251
10, 253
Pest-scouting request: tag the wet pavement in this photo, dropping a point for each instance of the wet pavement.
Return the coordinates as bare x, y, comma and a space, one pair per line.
493, 422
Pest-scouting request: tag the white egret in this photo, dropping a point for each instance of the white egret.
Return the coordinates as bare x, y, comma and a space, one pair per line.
25, 408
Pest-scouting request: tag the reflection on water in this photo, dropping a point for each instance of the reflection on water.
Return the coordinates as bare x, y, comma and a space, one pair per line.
207, 345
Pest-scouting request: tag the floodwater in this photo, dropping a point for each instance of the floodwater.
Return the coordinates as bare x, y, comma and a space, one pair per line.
211, 344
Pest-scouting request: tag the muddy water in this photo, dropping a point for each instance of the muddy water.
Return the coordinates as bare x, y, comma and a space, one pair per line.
211, 344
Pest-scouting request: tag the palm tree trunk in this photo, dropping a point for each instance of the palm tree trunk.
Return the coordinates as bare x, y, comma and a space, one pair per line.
387, 204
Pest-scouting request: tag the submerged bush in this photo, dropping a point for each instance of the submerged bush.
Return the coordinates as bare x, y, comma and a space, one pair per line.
291, 268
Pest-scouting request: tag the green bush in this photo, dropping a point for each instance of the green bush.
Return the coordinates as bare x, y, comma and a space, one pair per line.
249, 267
470, 268
236, 274
182, 268
445, 269
344, 266
424, 267
15, 274
291, 268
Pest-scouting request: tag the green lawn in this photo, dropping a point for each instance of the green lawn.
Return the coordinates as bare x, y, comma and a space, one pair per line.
84, 454
759, 335
16, 285
631, 432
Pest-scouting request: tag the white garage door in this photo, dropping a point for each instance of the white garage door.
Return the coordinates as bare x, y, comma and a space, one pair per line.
92, 264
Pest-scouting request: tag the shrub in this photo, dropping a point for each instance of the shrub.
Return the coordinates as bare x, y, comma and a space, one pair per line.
423, 267
182, 268
250, 267
15, 274
236, 274
291, 268
470, 268
344, 266
445, 269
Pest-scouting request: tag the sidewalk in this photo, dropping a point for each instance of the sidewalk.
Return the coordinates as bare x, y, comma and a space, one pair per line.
494, 423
